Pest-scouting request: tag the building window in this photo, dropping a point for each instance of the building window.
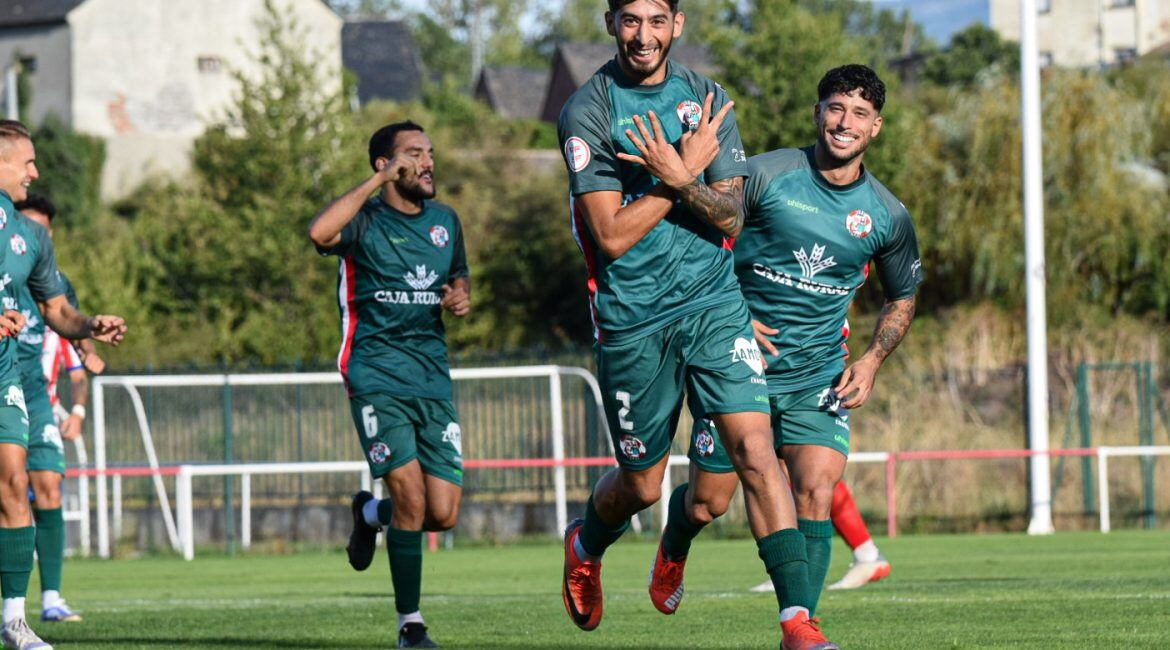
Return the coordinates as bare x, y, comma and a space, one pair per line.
210, 64
1043, 6
1045, 59
1121, 3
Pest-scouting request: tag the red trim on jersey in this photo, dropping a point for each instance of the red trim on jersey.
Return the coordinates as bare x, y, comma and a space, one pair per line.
346, 288
585, 243
729, 243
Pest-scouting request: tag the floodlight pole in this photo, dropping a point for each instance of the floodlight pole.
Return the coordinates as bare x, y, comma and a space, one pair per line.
11, 77
1041, 488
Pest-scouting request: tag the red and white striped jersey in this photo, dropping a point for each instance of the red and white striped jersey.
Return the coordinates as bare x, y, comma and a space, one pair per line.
57, 352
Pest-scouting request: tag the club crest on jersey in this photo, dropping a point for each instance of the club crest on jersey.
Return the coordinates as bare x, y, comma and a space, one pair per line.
577, 154
704, 443
440, 236
749, 353
379, 452
632, 447
859, 224
19, 246
689, 113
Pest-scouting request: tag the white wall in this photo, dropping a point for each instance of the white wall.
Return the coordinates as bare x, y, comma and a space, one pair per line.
137, 80
1082, 33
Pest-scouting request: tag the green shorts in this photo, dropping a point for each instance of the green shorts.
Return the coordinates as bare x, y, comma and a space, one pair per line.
46, 450
810, 417
396, 430
712, 355
13, 415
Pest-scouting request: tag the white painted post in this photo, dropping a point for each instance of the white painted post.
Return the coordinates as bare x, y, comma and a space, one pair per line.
246, 511
367, 479
1037, 318
1103, 487
117, 480
560, 486
183, 497
99, 453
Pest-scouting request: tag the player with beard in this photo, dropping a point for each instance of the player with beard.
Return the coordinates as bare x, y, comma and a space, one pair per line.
656, 169
403, 263
816, 218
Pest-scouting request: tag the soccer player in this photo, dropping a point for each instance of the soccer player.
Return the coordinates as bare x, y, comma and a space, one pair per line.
41, 353
32, 276
868, 565
816, 218
403, 263
653, 222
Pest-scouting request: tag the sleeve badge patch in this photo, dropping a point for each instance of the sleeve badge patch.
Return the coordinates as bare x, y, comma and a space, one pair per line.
577, 154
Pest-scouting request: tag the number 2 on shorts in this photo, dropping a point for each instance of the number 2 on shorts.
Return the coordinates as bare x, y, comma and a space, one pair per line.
370, 420
624, 397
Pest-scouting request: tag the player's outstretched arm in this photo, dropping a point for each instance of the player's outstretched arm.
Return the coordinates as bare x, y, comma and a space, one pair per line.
325, 228
857, 381
72, 324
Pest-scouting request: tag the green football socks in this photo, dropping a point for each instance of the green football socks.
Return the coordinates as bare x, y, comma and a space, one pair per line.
818, 541
405, 549
786, 561
676, 539
50, 544
596, 535
16, 560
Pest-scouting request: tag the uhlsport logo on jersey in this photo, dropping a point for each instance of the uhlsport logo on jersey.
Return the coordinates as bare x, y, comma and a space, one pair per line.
704, 442
690, 113
421, 279
749, 353
577, 154
859, 224
19, 246
440, 236
632, 447
379, 452
454, 436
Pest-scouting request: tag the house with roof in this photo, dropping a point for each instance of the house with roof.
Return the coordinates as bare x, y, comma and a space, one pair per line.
574, 63
147, 76
513, 91
383, 57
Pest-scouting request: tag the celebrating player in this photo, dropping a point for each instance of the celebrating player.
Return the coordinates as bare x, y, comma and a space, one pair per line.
49, 428
34, 280
815, 219
653, 222
402, 263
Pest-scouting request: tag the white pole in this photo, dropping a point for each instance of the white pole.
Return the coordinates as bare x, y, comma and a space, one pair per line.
1103, 487
99, 454
117, 506
246, 511
1041, 523
10, 80
186, 523
560, 485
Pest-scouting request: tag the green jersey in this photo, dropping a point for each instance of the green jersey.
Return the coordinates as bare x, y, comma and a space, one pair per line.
805, 250
393, 267
683, 265
11, 280
36, 263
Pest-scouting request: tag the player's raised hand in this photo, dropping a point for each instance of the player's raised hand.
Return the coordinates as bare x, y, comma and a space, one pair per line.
108, 329
11, 323
700, 147
396, 168
762, 333
456, 299
857, 382
658, 155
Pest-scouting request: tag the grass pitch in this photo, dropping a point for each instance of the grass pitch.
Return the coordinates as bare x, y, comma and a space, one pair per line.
1071, 590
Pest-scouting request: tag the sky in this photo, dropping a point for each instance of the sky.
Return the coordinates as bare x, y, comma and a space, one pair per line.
940, 17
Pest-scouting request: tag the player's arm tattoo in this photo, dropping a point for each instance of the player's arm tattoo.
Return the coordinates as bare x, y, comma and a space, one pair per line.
891, 328
719, 204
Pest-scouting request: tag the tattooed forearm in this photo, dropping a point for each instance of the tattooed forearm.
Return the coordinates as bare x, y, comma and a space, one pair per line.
891, 328
720, 205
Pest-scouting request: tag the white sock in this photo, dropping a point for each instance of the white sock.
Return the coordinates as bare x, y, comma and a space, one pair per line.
580, 551
413, 617
13, 609
867, 552
370, 514
50, 598
789, 613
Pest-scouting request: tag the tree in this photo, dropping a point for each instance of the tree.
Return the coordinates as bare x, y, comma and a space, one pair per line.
977, 50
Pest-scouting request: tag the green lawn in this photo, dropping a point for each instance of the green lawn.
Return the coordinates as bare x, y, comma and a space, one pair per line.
1073, 590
